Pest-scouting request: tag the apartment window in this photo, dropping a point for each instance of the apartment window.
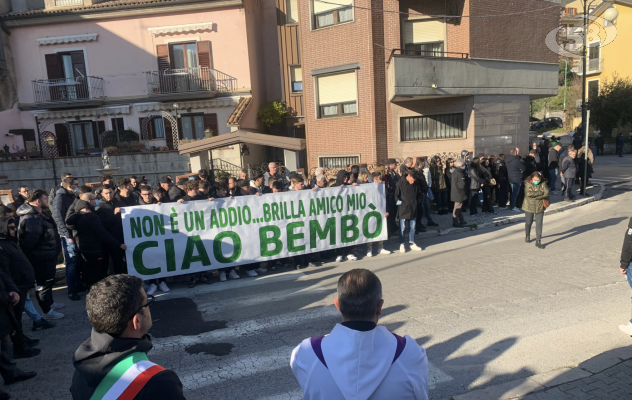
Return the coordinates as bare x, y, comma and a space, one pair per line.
66, 73
291, 11
337, 95
445, 126
296, 76
338, 161
118, 123
184, 55
424, 37
159, 128
84, 136
192, 127
593, 89
68, 2
327, 14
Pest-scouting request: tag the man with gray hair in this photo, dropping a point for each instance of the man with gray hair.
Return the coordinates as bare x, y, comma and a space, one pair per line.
568, 172
272, 172
359, 359
408, 164
321, 181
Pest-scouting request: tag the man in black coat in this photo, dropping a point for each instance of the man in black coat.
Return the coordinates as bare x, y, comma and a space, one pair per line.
568, 172
391, 179
109, 210
119, 312
53, 191
407, 196
63, 200
554, 166
14, 263
23, 191
38, 238
458, 193
126, 194
515, 171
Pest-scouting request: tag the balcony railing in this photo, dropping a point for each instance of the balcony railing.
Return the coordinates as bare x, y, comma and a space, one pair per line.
66, 90
200, 79
427, 54
594, 65
68, 2
569, 13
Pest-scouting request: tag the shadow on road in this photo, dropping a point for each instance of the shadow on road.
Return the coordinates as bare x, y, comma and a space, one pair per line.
584, 228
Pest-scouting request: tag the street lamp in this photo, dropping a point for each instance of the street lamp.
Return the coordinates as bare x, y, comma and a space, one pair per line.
51, 143
610, 14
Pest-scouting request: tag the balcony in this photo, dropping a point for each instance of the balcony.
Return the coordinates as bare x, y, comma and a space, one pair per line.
595, 66
63, 92
189, 83
416, 77
570, 14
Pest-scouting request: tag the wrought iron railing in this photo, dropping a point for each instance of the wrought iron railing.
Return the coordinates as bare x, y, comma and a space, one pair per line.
183, 80
225, 166
67, 89
426, 54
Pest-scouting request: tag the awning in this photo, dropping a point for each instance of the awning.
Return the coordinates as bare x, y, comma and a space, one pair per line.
203, 26
242, 136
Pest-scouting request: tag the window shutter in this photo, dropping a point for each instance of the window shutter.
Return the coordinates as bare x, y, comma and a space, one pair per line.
63, 140
96, 130
150, 128
210, 122
204, 54
338, 88
424, 31
162, 53
78, 64
168, 133
52, 66
118, 122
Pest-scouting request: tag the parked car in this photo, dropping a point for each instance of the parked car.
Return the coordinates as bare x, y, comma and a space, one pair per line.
548, 123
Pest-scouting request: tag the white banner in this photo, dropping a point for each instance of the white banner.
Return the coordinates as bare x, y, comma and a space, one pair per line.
174, 239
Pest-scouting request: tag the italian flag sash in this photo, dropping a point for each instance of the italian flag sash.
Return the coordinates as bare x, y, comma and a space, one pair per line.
127, 378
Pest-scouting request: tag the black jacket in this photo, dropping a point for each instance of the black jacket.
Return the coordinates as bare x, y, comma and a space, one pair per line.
569, 168
626, 252
99, 354
37, 234
458, 194
264, 189
13, 261
439, 183
531, 165
53, 194
409, 195
197, 197
476, 178
112, 222
91, 234
421, 181
141, 202
175, 194
502, 176
391, 180
19, 201
7, 320
63, 201
554, 158
515, 169
129, 201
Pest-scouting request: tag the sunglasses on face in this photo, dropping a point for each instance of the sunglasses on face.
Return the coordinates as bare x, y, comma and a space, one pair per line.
150, 301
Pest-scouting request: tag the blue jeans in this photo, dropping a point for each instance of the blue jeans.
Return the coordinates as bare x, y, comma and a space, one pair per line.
30, 310
553, 176
402, 230
427, 208
515, 190
71, 264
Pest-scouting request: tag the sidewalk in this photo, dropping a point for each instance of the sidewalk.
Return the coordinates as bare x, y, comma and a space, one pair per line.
503, 217
603, 377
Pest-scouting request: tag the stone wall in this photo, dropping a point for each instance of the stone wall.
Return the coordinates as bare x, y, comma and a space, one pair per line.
38, 173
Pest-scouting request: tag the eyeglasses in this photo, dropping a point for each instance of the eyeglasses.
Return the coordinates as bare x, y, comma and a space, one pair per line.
150, 301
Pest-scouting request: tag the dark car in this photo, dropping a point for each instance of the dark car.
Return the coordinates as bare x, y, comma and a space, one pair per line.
548, 123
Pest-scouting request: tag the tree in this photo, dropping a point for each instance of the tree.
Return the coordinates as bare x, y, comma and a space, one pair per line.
611, 109
272, 113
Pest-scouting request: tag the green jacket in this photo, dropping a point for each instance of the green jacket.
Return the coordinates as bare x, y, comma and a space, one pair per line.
533, 196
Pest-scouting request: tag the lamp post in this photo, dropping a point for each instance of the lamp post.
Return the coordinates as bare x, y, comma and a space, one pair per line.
610, 14
51, 142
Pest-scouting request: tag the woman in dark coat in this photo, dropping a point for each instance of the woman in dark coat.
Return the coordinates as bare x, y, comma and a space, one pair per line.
503, 182
477, 180
439, 185
449, 168
488, 205
458, 194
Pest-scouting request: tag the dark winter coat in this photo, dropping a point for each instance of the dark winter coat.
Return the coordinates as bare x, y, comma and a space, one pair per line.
515, 169
141, 202
476, 178
175, 194
197, 197
439, 183
130, 201
458, 193
531, 165
554, 158
421, 181
409, 195
533, 196
63, 201
13, 261
391, 180
91, 235
7, 320
112, 222
37, 234
501, 172
99, 354
569, 168
626, 252
19, 201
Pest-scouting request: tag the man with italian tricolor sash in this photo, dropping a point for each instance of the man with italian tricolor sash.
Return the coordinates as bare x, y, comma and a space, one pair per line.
112, 364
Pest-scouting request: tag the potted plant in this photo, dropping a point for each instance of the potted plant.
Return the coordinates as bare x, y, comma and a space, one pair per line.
137, 146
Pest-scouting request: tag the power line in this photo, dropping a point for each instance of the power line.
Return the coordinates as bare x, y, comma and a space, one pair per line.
437, 16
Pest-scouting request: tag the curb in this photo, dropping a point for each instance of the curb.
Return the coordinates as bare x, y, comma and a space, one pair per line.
519, 388
506, 221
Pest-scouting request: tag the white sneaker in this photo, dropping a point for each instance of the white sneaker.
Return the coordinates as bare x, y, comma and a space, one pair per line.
261, 270
222, 276
351, 257
369, 253
414, 247
252, 273
164, 288
152, 289
383, 251
57, 306
339, 259
402, 248
52, 314
627, 329
233, 274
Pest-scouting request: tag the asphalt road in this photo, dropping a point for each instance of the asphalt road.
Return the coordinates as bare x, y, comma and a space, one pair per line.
488, 308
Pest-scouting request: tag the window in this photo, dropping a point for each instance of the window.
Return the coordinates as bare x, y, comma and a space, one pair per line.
338, 162
327, 14
296, 76
159, 128
446, 126
184, 55
193, 127
67, 75
424, 37
593, 89
68, 2
291, 11
118, 123
337, 95
83, 136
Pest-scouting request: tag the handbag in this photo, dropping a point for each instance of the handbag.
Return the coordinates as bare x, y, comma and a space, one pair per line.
546, 203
